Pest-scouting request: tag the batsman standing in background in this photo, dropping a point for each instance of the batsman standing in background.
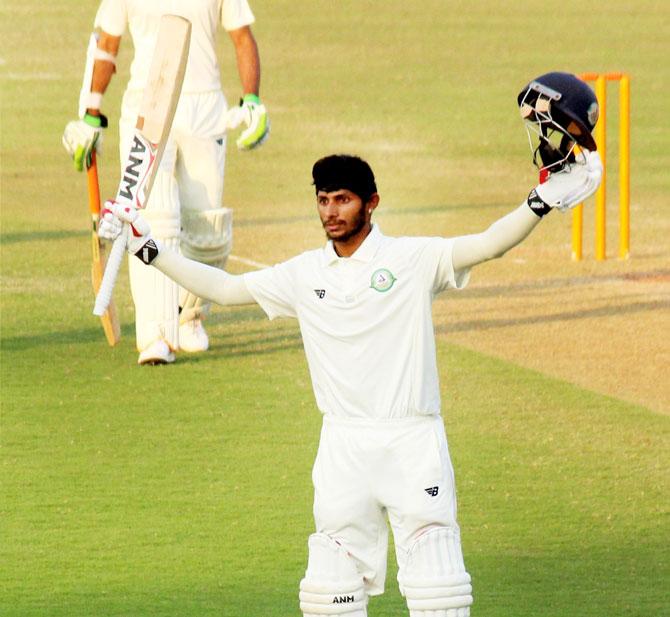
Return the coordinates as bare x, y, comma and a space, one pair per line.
185, 208
363, 303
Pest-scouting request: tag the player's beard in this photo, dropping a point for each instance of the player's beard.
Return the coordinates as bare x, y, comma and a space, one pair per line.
356, 226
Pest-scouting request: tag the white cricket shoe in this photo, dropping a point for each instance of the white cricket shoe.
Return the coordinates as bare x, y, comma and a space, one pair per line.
192, 336
157, 353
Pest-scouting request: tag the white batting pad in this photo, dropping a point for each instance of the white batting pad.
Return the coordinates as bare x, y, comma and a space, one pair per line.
434, 581
332, 583
156, 296
207, 237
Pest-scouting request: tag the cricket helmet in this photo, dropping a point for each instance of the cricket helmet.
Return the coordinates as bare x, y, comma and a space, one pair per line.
562, 110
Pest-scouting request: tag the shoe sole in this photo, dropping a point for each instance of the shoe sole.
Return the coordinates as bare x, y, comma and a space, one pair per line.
154, 362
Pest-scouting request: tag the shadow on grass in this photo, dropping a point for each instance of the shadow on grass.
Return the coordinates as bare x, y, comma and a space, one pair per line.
234, 316
198, 600
256, 342
61, 337
598, 582
38, 236
602, 311
487, 291
253, 346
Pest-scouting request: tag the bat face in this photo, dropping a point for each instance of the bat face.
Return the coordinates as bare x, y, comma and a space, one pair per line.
135, 181
157, 109
166, 75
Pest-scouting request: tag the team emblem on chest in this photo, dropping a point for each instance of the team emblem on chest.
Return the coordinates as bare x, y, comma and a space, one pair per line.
382, 280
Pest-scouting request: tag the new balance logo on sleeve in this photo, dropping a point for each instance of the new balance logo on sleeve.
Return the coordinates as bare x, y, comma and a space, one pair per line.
432, 491
321, 293
148, 252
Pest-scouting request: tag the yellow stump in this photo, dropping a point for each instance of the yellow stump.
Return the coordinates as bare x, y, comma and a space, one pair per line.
601, 80
624, 167
601, 195
577, 233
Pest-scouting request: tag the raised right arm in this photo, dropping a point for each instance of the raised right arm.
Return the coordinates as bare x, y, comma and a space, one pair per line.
204, 281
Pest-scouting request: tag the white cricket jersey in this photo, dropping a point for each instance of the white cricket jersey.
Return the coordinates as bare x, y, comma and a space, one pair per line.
366, 321
142, 18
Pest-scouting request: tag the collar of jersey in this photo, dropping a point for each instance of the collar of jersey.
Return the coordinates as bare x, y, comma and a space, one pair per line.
364, 253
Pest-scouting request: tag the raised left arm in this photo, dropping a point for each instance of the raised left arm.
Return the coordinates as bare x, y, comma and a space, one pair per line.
123, 220
499, 238
563, 190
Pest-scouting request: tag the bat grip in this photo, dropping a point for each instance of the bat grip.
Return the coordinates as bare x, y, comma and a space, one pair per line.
104, 296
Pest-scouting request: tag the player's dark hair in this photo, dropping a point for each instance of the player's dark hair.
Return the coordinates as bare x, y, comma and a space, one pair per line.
344, 171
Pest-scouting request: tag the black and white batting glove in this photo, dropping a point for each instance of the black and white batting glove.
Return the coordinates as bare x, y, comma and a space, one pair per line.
122, 218
568, 187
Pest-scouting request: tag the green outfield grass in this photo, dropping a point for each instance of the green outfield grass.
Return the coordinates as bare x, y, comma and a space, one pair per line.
185, 490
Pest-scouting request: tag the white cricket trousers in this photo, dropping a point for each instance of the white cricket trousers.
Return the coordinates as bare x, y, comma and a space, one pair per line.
191, 177
366, 470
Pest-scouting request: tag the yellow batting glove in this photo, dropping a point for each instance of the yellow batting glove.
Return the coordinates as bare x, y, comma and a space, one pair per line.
83, 136
253, 114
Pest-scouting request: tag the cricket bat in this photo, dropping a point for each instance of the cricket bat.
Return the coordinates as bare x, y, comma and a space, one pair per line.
157, 110
109, 321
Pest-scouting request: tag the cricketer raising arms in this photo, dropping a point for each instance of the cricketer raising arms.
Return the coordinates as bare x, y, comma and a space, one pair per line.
363, 303
185, 207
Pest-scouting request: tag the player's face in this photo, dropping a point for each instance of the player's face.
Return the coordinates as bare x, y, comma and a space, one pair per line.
342, 213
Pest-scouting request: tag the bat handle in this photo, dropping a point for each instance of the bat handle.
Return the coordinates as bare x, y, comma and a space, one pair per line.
93, 186
104, 296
